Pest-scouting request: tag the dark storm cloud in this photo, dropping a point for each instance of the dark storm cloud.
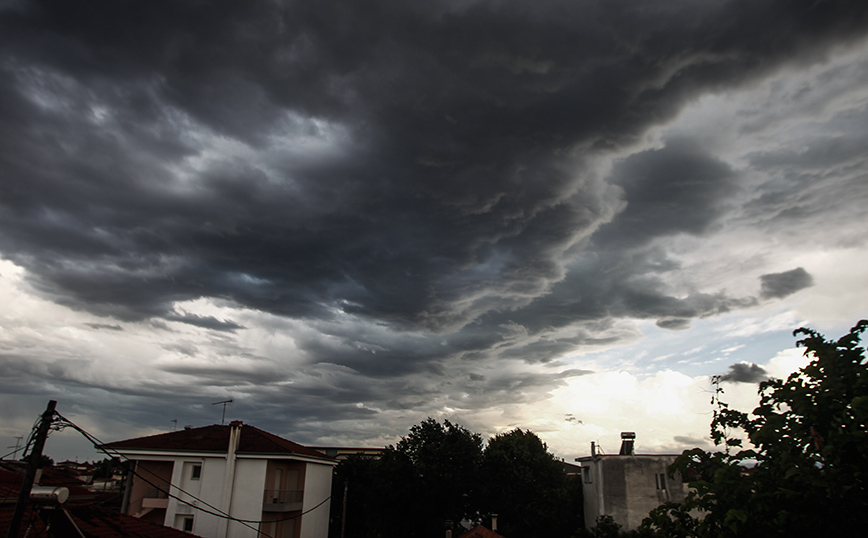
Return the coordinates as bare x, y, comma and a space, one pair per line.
418, 165
777, 285
679, 188
744, 372
206, 322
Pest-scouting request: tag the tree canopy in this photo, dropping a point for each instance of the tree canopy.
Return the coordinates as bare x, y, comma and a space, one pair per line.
807, 472
440, 472
525, 485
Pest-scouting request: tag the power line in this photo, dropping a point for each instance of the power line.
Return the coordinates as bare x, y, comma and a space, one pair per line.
214, 512
99, 445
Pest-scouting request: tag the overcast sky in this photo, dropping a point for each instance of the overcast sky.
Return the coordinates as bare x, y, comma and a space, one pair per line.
349, 216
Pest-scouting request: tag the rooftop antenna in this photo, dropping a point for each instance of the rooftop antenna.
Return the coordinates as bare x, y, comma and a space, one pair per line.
18, 439
224, 402
174, 422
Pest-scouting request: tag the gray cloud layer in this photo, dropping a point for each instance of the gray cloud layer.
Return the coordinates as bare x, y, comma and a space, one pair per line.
440, 171
745, 373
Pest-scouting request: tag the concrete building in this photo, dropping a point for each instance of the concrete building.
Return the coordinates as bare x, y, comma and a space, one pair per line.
627, 486
190, 479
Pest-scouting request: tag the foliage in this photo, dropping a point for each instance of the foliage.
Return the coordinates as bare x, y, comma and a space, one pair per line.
808, 470
446, 459
526, 486
107, 467
413, 488
439, 472
605, 527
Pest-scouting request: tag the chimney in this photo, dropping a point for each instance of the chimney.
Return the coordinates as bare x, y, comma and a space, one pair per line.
627, 440
494, 522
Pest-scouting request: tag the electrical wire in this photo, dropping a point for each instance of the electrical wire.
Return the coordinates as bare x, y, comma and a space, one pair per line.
99, 445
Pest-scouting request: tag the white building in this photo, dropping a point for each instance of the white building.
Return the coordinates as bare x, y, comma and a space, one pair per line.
190, 480
627, 486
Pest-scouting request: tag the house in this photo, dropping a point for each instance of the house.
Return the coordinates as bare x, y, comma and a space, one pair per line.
234, 481
626, 485
70, 510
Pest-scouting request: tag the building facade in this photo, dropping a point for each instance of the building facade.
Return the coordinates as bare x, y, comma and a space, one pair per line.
627, 486
234, 481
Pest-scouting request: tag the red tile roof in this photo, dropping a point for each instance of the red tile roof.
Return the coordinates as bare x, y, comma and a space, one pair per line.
12, 475
480, 532
94, 521
215, 438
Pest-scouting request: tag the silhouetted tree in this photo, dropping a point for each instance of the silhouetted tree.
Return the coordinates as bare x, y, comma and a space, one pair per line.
527, 487
446, 458
807, 474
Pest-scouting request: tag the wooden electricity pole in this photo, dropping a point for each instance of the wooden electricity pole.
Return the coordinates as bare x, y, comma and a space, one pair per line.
33, 463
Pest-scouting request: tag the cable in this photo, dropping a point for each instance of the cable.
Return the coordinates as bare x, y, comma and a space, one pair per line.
215, 512
98, 444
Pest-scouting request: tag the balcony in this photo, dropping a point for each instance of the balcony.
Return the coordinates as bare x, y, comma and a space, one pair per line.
282, 500
154, 498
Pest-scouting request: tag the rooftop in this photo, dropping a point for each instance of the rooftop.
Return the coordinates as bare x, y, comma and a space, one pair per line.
92, 520
215, 438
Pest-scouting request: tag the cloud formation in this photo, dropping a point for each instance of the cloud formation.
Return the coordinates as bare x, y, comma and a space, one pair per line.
777, 285
360, 211
743, 372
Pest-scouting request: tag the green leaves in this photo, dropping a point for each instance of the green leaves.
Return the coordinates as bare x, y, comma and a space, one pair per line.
808, 473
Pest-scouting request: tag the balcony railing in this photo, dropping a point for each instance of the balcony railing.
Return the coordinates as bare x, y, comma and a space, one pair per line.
282, 500
154, 493
154, 498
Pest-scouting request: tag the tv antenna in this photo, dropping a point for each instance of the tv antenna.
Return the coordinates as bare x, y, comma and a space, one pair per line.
18, 439
224, 402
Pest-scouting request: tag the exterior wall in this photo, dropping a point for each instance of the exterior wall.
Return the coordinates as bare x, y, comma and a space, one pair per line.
207, 488
247, 497
252, 476
628, 487
317, 487
210, 487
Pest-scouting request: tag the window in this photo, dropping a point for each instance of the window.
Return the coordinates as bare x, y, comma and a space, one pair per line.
187, 524
661, 481
196, 472
586, 475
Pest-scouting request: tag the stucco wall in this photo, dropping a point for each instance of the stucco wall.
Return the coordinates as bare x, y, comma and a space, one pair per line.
626, 488
317, 487
247, 496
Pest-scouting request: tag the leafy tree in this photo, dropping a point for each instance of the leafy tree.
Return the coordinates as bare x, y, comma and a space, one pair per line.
604, 527
808, 471
446, 458
107, 467
439, 473
413, 488
526, 486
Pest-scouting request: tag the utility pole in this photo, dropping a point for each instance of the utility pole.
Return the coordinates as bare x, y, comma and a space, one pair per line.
33, 463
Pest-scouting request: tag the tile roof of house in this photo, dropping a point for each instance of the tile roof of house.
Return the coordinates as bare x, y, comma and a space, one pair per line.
12, 475
93, 520
215, 438
480, 532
